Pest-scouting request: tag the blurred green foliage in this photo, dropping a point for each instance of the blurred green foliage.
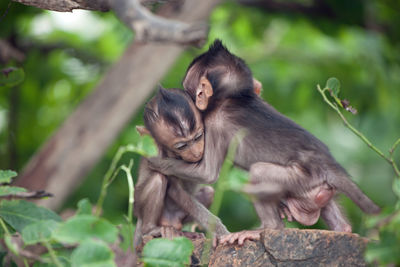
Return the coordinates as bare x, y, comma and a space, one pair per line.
289, 51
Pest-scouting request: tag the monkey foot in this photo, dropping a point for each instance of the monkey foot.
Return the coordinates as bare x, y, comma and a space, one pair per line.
170, 232
193, 235
240, 237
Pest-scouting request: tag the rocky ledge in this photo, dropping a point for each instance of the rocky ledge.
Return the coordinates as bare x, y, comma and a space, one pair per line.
288, 247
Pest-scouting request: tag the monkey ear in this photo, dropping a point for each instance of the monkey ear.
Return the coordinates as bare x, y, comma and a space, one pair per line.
142, 130
203, 92
257, 86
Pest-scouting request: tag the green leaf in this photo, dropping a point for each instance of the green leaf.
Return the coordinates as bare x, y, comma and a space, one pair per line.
237, 179
10, 190
385, 251
145, 146
396, 187
334, 85
84, 207
38, 232
6, 176
93, 253
165, 252
20, 213
83, 227
11, 76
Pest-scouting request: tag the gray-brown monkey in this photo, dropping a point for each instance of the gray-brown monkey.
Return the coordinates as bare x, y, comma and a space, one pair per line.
162, 203
287, 164
165, 116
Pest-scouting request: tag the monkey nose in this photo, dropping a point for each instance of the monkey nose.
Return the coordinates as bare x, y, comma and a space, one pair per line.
197, 156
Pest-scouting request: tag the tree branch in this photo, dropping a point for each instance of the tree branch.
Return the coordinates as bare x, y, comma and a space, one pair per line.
147, 26
67, 5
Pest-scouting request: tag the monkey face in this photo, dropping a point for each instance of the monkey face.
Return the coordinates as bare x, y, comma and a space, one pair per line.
191, 150
187, 145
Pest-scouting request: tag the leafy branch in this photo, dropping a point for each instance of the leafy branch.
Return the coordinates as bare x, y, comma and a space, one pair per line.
333, 87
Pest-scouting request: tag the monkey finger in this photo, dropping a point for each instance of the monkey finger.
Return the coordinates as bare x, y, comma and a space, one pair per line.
224, 239
233, 238
250, 235
241, 240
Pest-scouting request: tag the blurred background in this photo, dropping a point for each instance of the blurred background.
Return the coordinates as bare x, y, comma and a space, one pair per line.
290, 47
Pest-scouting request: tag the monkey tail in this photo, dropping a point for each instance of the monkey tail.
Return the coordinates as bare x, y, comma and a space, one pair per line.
137, 239
344, 184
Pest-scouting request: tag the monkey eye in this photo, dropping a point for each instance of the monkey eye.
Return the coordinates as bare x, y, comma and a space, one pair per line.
198, 135
180, 146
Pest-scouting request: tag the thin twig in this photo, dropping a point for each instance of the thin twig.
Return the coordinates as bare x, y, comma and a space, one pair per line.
359, 134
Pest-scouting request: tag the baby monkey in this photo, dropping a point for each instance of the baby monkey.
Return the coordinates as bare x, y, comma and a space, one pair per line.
288, 166
163, 203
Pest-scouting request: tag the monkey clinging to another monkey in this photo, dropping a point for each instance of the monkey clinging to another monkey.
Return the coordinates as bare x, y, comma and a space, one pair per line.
288, 166
162, 203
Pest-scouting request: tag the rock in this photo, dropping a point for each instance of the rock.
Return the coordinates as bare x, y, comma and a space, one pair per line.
294, 247
288, 247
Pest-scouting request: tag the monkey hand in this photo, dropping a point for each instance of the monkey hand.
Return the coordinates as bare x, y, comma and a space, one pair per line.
240, 237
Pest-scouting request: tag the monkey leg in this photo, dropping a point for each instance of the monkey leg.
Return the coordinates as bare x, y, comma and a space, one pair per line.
334, 218
173, 217
267, 184
205, 195
151, 202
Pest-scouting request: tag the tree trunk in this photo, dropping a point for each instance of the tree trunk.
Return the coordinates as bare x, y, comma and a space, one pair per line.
72, 151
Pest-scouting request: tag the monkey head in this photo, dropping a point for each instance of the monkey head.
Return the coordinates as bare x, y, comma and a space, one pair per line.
218, 74
176, 125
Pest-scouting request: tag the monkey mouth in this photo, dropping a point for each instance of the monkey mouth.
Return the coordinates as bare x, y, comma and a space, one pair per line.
193, 159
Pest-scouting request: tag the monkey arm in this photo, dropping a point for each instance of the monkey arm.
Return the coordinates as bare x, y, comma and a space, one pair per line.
205, 171
200, 172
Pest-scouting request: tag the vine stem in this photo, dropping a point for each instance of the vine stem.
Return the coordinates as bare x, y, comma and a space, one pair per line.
127, 170
110, 176
390, 159
52, 254
4, 226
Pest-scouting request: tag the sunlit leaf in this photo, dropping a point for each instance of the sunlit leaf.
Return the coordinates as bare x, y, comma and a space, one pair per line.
145, 146
165, 252
6, 176
334, 85
93, 253
11, 76
83, 227
84, 207
20, 213
38, 232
